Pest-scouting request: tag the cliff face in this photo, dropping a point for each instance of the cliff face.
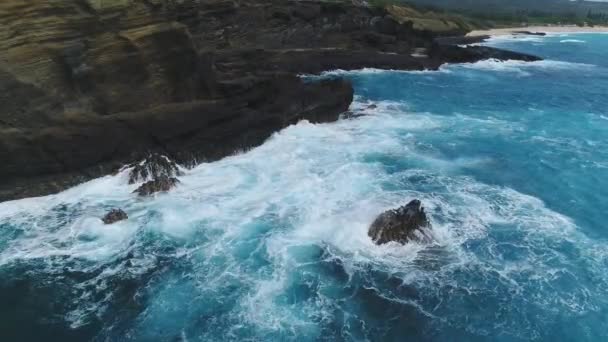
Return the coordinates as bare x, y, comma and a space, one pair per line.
86, 85
99, 56
108, 56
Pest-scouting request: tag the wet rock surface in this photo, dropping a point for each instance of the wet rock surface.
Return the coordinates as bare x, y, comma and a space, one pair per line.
154, 166
114, 215
402, 225
160, 184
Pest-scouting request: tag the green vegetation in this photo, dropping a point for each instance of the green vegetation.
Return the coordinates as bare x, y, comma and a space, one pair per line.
500, 13
428, 19
496, 13
438, 22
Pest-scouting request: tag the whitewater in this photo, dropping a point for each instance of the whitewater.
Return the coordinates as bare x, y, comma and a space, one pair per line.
510, 160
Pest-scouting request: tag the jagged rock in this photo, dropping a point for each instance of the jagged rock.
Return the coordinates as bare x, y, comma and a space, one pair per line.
160, 184
114, 215
404, 224
154, 166
456, 54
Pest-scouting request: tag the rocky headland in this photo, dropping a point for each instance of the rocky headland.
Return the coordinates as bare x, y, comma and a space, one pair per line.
87, 86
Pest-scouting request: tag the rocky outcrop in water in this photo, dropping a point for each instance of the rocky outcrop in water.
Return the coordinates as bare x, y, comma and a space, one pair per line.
87, 86
160, 184
404, 224
154, 166
157, 171
114, 215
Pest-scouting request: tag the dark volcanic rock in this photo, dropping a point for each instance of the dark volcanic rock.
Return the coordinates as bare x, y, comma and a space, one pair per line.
160, 184
114, 215
530, 33
401, 225
469, 54
461, 40
154, 166
307, 12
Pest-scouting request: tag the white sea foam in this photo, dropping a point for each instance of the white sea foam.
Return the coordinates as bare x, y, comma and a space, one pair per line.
315, 172
372, 71
497, 39
316, 185
575, 41
514, 66
521, 67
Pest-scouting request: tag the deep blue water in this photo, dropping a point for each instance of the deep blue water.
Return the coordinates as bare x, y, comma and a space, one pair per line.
510, 159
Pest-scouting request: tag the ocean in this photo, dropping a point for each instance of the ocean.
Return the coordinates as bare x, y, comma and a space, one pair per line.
510, 160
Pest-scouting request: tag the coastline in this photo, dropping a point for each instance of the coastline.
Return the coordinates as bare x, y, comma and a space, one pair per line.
139, 85
544, 29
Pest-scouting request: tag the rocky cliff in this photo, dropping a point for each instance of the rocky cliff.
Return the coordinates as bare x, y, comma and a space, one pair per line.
87, 85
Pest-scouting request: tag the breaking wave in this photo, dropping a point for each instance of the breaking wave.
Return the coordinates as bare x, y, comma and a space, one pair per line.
576, 41
522, 68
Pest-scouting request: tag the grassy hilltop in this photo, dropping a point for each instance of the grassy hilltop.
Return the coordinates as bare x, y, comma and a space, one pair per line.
496, 13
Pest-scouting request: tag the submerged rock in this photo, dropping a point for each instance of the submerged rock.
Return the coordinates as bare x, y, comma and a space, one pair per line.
160, 184
114, 215
154, 166
401, 225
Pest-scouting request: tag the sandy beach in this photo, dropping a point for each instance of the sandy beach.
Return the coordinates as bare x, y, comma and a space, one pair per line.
545, 29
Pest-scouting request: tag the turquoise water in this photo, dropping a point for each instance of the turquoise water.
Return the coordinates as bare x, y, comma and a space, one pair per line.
510, 160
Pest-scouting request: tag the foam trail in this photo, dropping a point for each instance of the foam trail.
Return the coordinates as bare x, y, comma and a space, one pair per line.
521, 66
575, 41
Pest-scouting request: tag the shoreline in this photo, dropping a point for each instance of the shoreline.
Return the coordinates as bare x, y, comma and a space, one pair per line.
193, 92
538, 29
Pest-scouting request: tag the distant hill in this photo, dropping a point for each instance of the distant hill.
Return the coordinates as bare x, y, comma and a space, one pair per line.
440, 23
524, 11
515, 5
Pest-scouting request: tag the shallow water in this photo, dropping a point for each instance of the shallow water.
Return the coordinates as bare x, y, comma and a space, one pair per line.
510, 160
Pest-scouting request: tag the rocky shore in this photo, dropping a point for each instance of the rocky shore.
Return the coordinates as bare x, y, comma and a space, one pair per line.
87, 86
